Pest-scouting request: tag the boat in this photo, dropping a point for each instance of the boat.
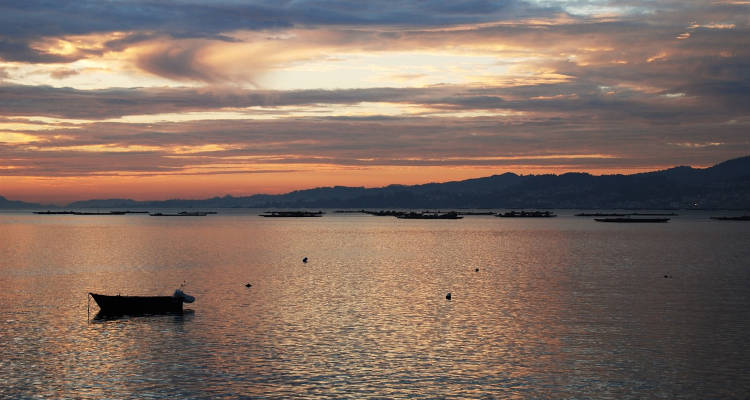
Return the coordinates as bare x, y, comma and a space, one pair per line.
627, 219
670, 214
88, 212
385, 213
291, 214
183, 214
527, 214
99, 213
600, 215
740, 218
428, 215
134, 305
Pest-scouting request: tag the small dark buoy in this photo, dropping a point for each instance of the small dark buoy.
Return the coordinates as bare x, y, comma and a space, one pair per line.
248, 285
666, 276
448, 296
476, 270
304, 260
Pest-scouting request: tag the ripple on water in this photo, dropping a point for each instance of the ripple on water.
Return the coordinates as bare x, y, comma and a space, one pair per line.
557, 309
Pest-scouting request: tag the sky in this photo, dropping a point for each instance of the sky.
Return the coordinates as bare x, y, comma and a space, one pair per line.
152, 100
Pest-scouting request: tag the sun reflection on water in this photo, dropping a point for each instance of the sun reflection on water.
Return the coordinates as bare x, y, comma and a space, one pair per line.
539, 308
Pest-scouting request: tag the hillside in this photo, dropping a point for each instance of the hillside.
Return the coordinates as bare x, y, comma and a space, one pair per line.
723, 186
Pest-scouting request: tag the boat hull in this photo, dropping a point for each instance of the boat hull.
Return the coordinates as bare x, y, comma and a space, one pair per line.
130, 305
632, 220
291, 214
527, 214
429, 216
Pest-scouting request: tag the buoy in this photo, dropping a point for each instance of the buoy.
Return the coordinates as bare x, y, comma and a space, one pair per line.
304, 260
448, 296
248, 285
476, 270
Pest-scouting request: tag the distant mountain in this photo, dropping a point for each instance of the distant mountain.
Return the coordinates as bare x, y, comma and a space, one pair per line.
6, 204
107, 203
723, 186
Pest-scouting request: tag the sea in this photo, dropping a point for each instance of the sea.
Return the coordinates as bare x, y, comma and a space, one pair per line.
540, 308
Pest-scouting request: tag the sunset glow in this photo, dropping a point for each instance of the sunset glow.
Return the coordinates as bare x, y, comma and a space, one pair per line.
147, 100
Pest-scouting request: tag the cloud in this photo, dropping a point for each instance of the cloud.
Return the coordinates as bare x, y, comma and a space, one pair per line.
233, 43
175, 61
597, 84
228, 146
63, 73
21, 50
21, 100
709, 101
22, 23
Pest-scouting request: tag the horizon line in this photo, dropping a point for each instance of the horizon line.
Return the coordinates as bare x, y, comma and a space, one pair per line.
67, 204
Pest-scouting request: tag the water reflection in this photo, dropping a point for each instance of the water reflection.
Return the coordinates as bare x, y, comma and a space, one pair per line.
176, 317
557, 309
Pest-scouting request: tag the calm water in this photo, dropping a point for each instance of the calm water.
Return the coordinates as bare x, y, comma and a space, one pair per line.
560, 308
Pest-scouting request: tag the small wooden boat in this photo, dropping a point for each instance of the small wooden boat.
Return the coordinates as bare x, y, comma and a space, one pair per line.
134, 305
632, 220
